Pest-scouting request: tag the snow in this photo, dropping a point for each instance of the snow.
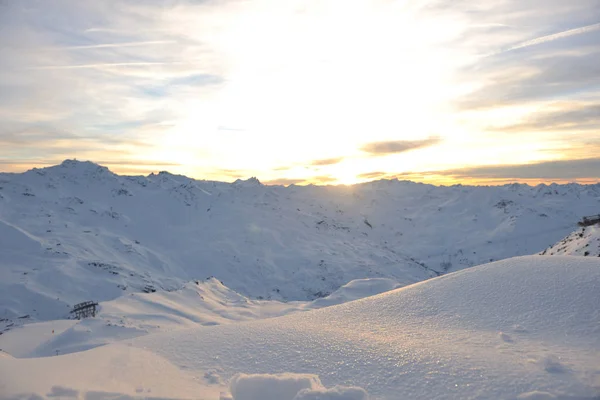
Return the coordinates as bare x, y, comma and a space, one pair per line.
108, 372
23, 341
356, 289
205, 303
536, 395
244, 291
289, 387
271, 387
583, 242
76, 232
526, 327
336, 393
436, 339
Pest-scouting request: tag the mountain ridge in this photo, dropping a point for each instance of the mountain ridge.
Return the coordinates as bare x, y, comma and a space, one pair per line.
93, 234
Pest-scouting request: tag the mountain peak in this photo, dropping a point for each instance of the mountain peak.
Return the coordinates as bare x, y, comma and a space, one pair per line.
75, 168
253, 181
75, 163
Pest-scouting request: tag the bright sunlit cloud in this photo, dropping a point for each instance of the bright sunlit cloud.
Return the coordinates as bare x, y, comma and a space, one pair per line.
303, 91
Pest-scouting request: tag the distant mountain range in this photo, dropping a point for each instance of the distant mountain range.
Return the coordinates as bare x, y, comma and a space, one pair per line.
77, 231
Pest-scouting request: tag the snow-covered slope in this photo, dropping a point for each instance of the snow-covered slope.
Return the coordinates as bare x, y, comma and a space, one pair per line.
583, 242
77, 232
199, 303
527, 327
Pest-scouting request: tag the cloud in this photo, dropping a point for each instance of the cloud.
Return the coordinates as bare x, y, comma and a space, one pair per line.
556, 36
18, 141
284, 181
586, 169
229, 129
558, 117
123, 73
104, 65
141, 163
137, 74
231, 173
322, 179
283, 168
398, 146
120, 166
545, 170
122, 44
327, 161
540, 69
373, 175
28, 137
21, 148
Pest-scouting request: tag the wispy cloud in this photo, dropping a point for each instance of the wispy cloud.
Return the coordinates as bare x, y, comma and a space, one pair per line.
327, 161
322, 179
398, 146
105, 65
284, 181
546, 170
574, 117
556, 36
373, 175
283, 168
114, 45
229, 129
581, 170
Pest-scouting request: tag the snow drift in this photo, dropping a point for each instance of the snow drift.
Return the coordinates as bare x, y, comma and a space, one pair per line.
289, 387
520, 328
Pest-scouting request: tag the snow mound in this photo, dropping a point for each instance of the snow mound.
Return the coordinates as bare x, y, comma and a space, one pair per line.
583, 242
111, 372
289, 386
526, 327
499, 330
357, 289
206, 303
335, 393
271, 387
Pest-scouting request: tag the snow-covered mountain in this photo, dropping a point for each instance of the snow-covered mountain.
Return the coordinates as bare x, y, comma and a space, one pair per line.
77, 232
583, 242
524, 328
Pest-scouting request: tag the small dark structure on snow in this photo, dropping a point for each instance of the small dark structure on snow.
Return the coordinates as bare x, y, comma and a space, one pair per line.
589, 221
84, 310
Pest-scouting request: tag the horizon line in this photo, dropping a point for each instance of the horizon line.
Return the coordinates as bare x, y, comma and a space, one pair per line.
287, 182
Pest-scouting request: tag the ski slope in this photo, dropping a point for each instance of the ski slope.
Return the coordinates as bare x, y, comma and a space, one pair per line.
76, 232
526, 327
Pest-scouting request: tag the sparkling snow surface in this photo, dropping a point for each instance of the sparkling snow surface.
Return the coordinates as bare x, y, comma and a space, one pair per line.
527, 327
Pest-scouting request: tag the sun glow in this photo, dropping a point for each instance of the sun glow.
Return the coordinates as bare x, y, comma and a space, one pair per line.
305, 91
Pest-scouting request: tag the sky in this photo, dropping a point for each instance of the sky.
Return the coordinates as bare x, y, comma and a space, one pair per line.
305, 91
